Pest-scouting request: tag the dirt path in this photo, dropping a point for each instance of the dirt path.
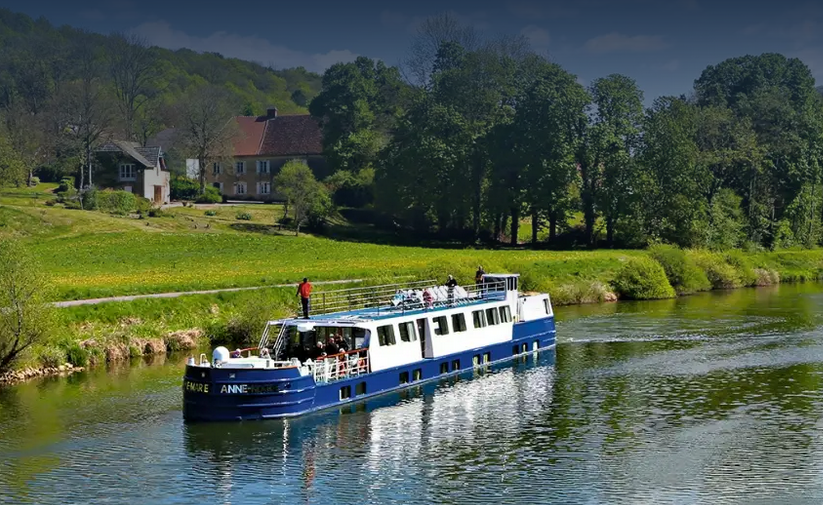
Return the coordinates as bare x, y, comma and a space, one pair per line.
129, 298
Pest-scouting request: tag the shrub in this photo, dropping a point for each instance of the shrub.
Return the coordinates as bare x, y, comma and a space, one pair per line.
158, 212
243, 216
212, 195
116, 202
744, 268
51, 356
683, 273
77, 355
642, 279
720, 274
183, 188
34, 181
143, 205
66, 184
582, 292
210, 212
135, 352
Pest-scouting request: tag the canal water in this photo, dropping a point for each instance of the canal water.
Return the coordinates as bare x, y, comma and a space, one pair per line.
714, 398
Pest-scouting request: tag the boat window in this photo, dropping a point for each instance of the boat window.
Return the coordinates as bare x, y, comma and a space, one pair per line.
546, 305
407, 332
361, 338
479, 319
492, 316
441, 325
505, 314
385, 335
459, 322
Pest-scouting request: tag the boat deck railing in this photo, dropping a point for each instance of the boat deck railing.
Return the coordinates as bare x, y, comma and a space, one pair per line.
340, 366
401, 297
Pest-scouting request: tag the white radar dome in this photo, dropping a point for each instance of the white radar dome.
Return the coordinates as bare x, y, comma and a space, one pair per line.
220, 354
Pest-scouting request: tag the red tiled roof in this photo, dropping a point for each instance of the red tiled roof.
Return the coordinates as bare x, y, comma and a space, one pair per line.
292, 135
251, 132
278, 136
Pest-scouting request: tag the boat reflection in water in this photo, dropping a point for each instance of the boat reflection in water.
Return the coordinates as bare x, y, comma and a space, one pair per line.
372, 441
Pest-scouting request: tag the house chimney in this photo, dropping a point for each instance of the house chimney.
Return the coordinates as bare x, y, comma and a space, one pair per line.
271, 112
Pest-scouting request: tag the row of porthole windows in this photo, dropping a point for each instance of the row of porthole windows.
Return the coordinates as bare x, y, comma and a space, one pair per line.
440, 324
524, 348
359, 390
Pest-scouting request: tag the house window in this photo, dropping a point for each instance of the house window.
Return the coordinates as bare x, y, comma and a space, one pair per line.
263, 166
127, 172
263, 188
218, 185
492, 316
240, 168
240, 188
479, 319
407, 332
385, 335
215, 168
441, 325
505, 314
459, 322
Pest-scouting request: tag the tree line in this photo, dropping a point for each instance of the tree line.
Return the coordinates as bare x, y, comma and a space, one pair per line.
471, 137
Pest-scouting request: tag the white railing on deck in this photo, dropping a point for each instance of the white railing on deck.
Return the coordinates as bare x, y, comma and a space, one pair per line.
340, 366
403, 296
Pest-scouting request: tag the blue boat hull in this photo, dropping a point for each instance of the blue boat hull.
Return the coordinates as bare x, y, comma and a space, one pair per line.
215, 394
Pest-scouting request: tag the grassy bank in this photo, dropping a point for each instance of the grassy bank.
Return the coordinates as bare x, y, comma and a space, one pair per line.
92, 254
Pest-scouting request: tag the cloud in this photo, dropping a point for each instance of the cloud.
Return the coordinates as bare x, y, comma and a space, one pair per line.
250, 47
618, 43
539, 38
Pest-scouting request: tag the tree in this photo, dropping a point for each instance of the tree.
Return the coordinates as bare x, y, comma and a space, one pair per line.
306, 196
25, 315
86, 115
357, 108
207, 128
775, 97
430, 36
12, 169
552, 106
132, 70
606, 163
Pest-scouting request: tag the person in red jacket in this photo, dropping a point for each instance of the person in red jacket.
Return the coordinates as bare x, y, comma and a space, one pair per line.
304, 292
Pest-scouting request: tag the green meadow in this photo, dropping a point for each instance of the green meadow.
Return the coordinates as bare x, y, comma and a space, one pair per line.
92, 254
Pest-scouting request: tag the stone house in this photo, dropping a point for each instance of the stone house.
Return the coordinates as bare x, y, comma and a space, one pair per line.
265, 144
130, 167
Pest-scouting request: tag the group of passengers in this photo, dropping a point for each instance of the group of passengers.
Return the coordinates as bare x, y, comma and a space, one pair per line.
335, 344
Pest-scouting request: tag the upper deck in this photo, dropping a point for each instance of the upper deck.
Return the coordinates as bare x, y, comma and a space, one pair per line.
350, 306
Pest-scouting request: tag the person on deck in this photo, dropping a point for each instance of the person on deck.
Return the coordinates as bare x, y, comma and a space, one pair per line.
341, 344
331, 347
451, 283
304, 292
478, 279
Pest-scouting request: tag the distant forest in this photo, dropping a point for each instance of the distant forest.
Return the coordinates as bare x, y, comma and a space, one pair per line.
38, 60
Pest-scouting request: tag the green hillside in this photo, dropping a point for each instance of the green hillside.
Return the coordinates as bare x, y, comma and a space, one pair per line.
36, 60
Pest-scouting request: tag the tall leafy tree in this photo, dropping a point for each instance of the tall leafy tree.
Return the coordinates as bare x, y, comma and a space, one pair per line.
546, 120
357, 108
606, 158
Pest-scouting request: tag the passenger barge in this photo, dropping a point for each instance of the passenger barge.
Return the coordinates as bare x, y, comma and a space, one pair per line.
399, 336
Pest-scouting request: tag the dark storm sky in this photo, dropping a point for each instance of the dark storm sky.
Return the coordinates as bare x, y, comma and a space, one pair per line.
664, 45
